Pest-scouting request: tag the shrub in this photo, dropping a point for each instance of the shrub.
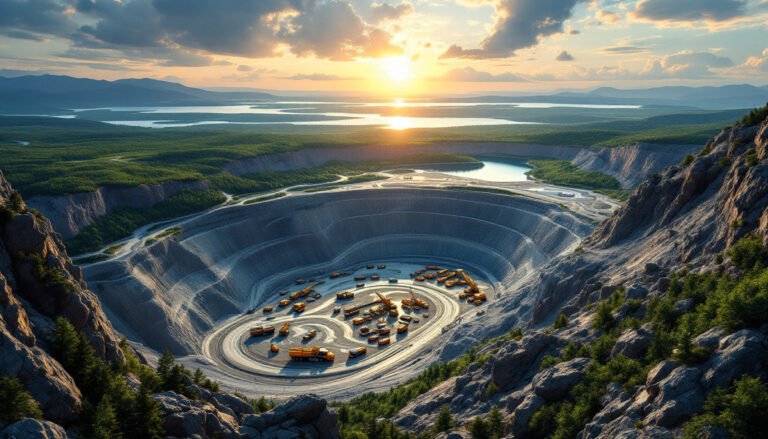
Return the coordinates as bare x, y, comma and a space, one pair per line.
603, 319
743, 411
444, 421
751, 157
478, 428
15, 402
491, 388
724, 161
560, 322
748, 253
754, 117
495, 423
687, 160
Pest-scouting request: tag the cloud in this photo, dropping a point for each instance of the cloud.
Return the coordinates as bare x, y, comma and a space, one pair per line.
244, 68
607, 16
519, 24
320, 77
623, 50
564, 56
689, 10
384, 11
190, 30
468, 74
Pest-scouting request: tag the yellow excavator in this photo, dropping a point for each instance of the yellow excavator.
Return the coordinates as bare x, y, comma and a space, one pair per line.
305, 291
472, 288
418, 303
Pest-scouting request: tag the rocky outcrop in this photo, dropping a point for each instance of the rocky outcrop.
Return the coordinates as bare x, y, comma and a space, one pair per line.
631, 164
29, 303
71, 213
305, 416
33, 429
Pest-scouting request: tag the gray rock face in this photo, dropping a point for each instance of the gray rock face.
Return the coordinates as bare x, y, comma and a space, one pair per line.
510, 366
742, 352
631, 164
33, 429
455, 434
185, 417
554, 383
301, 416
632, 344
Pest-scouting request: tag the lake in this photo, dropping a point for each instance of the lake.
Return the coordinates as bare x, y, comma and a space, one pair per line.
392, 115
492, 170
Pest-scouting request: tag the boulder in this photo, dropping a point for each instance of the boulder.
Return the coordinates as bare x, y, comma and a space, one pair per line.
33, 429
300, 416
684, 305
632, 343
185, 417
554, 382
511, 366
455, 434
739, 353
675, 411
709, 339
523, 413
659, 372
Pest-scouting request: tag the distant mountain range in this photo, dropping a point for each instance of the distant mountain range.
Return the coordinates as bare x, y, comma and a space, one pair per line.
51, 94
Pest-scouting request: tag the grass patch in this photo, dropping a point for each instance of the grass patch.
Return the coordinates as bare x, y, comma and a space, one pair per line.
112, 249
322, 188
562, 172
91, 259
173, 231
617, 194
121, 222
265, 198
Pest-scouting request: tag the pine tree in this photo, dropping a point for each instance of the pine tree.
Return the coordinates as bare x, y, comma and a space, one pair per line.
147, 421
495, 423
444, 421
164, 364
83, 360
64, 342
479, 428
15, 402
560, 322
174, 379
105, 425
198, 377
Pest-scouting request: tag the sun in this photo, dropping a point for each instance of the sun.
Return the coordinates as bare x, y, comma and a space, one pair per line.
398, 69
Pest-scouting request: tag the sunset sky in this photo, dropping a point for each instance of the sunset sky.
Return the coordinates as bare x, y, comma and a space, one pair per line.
391, 47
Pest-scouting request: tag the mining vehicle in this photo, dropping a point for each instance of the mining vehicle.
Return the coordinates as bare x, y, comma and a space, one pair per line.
359, 278
344, 295
299, 307
336, 309
305, 291
451, 283
357, 352
393, 312
285, 302
443, 272
310, 299
283, 293
381, 267
364, 331
406, 318
334, 275
300, 281
309, 335
383, 341
373, 338
433, 267
420, 278
402, 328
393, 281
284, 328
472, 288
383, 331
360, 285
480, 312
261, 330
268, 309
351, 312
446, 277
274, 348
429, 276
358, 321
375, 277
418, 303
310, 354
370, 266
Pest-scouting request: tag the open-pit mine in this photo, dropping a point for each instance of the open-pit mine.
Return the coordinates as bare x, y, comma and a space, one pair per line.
340, 291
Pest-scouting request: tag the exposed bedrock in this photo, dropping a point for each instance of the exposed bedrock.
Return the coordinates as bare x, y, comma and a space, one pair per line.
632, 163
169, 294
70, 213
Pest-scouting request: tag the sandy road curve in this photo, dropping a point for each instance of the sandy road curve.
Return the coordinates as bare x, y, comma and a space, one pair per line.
226, 348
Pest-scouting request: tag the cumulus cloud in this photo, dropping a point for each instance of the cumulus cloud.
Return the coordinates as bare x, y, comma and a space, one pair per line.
519, 24
468, 74
194, 29
689, 10
384, 11
320, 77
564, 56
